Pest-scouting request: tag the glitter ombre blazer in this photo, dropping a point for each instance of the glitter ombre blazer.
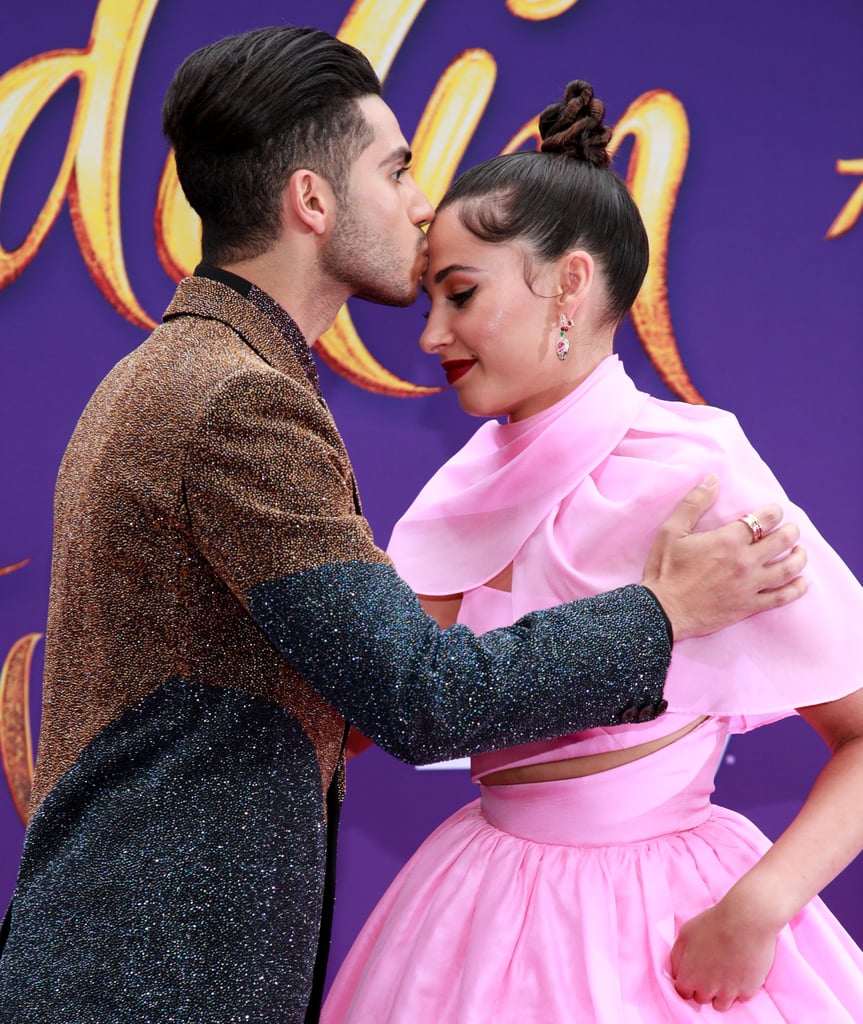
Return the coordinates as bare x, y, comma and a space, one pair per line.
218, 608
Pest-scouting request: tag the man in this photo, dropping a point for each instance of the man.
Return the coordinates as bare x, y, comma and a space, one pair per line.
218, 608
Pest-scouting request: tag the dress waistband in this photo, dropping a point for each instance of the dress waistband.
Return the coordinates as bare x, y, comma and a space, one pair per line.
665, 792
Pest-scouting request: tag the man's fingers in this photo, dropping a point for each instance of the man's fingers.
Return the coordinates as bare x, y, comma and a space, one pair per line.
784, 569
779, 582
693, 506
768, 517
707, 580
776, 597
777, 542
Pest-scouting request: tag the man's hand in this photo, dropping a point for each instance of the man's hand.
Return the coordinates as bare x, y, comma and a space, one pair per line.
706, 581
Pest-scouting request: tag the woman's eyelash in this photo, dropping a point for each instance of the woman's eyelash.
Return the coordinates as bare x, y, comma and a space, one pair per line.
460, 298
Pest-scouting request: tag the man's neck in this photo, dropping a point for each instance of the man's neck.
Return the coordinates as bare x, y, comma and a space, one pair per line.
312, 299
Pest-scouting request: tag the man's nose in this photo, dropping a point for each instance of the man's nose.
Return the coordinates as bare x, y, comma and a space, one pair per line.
422, 211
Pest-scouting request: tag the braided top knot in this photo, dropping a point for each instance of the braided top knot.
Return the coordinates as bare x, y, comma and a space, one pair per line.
574, 127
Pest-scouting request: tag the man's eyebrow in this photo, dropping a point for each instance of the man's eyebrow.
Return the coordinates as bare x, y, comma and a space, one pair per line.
453, 268
402, 155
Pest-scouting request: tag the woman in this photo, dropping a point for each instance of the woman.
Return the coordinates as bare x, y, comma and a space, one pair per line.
593, 880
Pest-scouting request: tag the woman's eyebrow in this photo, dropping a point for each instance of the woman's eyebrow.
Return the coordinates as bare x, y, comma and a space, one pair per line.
453, 268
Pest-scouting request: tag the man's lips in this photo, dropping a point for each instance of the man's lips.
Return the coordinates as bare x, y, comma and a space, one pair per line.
456, 368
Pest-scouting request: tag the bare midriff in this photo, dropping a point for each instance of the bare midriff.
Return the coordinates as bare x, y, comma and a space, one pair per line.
590, 764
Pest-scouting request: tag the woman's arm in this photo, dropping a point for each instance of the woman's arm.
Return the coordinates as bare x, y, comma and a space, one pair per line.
725, 953
444, 610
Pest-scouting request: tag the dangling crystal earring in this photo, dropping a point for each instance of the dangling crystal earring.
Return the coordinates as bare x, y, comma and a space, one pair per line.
562, 347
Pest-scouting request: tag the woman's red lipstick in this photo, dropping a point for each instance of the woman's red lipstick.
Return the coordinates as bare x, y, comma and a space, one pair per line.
456, 368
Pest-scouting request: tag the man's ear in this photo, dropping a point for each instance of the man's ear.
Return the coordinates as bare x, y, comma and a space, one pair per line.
577, 274
309, 201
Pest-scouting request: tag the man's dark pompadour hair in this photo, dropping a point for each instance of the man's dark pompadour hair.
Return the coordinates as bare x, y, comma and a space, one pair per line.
247, 111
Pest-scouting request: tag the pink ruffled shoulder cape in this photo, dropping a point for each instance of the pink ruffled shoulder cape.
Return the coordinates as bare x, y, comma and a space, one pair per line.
573, 497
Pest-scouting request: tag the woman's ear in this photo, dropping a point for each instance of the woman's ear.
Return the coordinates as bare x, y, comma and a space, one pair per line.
577, 275
309, 202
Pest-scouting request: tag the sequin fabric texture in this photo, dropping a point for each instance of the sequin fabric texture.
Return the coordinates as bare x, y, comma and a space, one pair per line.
288, 330
407, 659
210, 563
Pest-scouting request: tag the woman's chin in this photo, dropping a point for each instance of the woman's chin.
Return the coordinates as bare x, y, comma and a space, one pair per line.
481, 410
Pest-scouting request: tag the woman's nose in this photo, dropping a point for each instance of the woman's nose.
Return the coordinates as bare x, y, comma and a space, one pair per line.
435, 336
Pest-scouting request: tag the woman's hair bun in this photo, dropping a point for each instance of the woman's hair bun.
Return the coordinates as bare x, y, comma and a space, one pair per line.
574, 127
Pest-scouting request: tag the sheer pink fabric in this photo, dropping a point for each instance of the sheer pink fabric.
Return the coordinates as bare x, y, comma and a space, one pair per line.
573, 496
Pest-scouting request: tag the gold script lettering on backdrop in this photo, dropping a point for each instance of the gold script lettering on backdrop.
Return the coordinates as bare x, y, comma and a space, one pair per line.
658, 124
850, 212
90, 170
539, 10
16, 745
89, 174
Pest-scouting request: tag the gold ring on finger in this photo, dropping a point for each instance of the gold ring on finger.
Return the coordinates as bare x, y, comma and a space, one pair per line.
755, 528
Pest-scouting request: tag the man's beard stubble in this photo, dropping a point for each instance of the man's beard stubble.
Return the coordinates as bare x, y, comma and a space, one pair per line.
364, 260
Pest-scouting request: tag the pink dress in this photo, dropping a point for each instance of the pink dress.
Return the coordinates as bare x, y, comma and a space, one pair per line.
559, 902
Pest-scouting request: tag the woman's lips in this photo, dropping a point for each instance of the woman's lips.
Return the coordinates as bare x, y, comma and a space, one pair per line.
457, 368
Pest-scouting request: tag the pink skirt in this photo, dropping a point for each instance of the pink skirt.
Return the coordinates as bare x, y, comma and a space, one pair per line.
559, 902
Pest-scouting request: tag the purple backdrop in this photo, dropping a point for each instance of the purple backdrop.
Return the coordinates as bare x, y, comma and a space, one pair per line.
767, 310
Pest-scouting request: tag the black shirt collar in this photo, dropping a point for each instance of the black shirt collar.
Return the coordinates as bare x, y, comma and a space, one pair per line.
276, 314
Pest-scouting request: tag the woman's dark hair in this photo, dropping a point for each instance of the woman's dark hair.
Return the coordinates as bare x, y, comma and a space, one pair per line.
564, 196
246, 112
